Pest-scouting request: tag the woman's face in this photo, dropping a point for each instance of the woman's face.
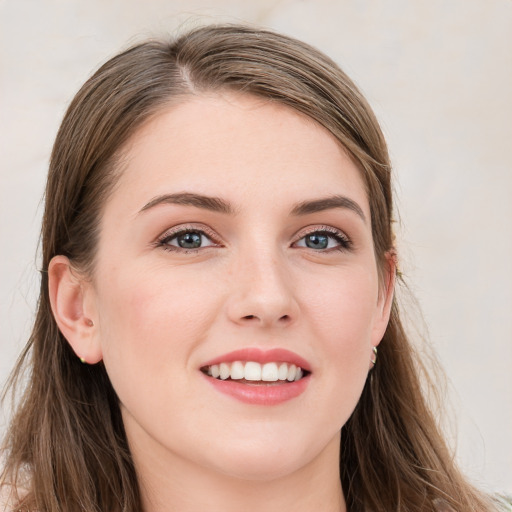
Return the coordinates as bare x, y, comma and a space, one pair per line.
239, 232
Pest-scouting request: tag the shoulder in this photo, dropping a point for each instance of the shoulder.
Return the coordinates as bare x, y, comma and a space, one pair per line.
442, 506
6, 498
9, 497
497, 503
506, 503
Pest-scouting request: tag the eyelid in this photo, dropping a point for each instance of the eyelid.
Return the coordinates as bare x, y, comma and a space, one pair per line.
184, 228
345, 241
343, 238
321, 228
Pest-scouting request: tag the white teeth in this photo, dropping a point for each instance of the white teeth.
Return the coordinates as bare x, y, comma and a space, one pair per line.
292, 370
225, 370
283, 371
237, 370
269, 372
252, 371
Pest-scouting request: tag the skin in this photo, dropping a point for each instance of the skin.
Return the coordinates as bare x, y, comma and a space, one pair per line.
155, 313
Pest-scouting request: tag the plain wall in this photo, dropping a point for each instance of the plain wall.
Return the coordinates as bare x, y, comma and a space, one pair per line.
439, 76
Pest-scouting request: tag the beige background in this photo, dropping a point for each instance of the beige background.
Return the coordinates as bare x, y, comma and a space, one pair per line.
439, 75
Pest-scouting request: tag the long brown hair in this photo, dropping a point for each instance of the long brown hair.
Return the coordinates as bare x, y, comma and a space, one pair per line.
66, 441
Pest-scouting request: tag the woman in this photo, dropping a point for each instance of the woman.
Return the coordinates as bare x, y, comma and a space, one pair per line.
216, 325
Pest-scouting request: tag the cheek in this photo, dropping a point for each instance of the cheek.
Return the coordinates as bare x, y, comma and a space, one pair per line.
342, 312
343, 308
150, 322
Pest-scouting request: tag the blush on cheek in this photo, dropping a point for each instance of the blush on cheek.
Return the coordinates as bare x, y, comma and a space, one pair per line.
165, 315
347, 316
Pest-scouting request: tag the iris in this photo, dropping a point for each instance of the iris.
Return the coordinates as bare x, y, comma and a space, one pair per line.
317, 241
189, 240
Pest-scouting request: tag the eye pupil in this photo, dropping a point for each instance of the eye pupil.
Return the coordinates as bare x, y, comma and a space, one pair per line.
189, 240
317, 241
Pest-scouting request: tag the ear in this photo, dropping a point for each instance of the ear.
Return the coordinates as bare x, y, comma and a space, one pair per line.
385, 300
72, 308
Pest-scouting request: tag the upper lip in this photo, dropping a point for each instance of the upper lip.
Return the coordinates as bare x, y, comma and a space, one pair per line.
258, 355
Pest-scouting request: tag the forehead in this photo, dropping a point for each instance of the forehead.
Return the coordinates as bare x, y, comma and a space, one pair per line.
237, 145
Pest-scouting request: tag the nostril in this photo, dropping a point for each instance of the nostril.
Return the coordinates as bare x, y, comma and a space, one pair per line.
284, 319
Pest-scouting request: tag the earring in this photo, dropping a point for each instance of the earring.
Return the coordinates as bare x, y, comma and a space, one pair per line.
374, 360
82, 360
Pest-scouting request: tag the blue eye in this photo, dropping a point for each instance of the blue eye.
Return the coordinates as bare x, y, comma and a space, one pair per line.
324, 240
317, 241
187, 239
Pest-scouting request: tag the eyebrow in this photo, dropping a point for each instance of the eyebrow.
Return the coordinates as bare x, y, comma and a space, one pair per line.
328, 203
216, 204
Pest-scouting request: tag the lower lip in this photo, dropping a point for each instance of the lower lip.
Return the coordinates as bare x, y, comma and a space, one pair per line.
260, 394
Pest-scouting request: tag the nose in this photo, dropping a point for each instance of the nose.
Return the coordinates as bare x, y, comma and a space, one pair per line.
262, 292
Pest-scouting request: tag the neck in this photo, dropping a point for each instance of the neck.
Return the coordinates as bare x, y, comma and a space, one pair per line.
173, 484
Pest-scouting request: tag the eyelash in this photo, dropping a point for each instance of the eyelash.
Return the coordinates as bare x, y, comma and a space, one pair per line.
344, 243
164, 240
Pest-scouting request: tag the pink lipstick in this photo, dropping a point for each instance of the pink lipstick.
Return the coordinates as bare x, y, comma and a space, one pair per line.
261, 356
256, 376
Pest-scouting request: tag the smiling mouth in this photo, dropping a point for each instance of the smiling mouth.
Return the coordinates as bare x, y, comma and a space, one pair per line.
251, 372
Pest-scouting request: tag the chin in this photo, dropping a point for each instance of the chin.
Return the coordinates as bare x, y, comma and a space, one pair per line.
271, 459
261, 468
